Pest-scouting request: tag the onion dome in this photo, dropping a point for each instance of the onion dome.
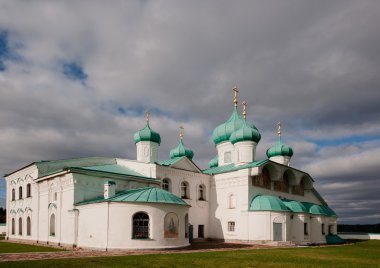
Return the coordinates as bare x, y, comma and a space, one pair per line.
147, 134
223, 132
280, 149
246, 132
181, 149
214, 162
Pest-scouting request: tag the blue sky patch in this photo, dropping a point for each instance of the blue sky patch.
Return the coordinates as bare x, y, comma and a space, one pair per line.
74, 71
345, 140
4, 49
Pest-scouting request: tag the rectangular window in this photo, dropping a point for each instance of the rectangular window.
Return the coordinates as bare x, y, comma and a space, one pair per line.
231, 226
305, 228
323, 228
201, 231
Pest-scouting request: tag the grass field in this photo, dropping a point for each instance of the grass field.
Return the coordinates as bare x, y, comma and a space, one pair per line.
6, 247
363, 254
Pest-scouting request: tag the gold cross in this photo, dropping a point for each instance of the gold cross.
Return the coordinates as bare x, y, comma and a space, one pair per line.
244, 109
181, 132
279, 131
147, 115
236, 91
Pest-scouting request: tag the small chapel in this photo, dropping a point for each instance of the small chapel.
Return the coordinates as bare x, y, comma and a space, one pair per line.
107, 203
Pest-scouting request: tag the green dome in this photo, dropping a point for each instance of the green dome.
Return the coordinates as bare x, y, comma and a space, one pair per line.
280, 149
267, 203
295, 206
180, 151
148, 195
314, 208
147, 134
213, 162
223, 132
245, 133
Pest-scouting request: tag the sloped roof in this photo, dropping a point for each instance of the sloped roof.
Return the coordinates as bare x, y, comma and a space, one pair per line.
267, 203
141, 195
232, 167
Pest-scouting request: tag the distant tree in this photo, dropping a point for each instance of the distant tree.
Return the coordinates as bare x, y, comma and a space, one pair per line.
359, 228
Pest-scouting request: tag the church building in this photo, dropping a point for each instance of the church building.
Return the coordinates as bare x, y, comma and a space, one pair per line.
147, 203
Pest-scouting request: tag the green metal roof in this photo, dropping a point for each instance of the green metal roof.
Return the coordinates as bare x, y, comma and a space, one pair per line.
295, 206
232, 167
280, 149
319, 209
245, 133
267, 203
141, 195
214, 162
116, 169
334, 239
181, 150
110, 170
147, 134
273, 203
170, 162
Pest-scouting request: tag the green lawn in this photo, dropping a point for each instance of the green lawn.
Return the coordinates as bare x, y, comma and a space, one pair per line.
6, 247
363, 254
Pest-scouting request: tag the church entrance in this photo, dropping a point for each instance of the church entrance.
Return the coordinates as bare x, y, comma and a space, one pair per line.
277, 231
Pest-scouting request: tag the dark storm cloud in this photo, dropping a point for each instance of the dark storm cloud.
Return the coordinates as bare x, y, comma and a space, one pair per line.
314, 65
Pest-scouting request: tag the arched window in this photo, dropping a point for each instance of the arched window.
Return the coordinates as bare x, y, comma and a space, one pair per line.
13, 194
186, 226
13, 226
165, 185
52, 225
202, 192
184, 190
140, 226
28, 190
262, 180
282, 185
20, 192
299, 189
232, 201
20, 226
28, 226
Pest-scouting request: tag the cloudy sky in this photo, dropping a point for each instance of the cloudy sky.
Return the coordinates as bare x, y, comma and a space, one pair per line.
77, 76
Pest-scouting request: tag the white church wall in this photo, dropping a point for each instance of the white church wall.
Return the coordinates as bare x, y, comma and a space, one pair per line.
146, 169
92, 226
109, 226
229, 188
199, 213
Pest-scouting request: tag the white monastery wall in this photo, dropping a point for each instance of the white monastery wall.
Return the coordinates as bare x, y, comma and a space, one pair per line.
118, 217
199, 213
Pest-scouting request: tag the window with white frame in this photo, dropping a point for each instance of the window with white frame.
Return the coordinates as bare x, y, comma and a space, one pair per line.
231, 226
201, 192
28, 226
232, 201
184, 190
28, 190
52, 225
20, 226
165, 185
20, 192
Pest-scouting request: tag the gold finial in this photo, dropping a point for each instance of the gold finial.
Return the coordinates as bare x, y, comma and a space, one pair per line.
244, 109
147, 115
279, 131
236, 91
181, 132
